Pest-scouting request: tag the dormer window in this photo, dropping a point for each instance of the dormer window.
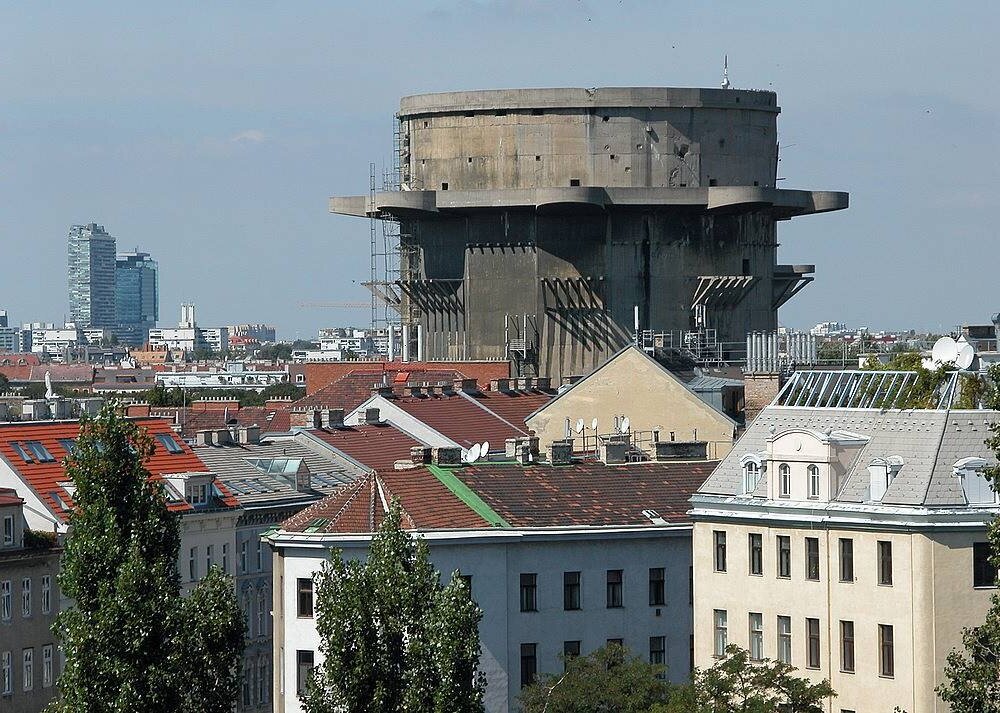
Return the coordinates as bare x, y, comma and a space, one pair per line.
197, 494
977, 488
752, 468
813, 473
881, 473
784, 481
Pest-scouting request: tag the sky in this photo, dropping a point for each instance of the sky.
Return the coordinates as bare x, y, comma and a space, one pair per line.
211, 135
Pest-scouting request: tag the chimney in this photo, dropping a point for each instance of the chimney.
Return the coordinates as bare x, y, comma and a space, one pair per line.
466, 386
523, 384
759, 390
571, 379
335, 417
614, 450
445, 388
324, 418
249, 434
205, 438
561, 452
446, 455
420, 455
523, 455
415, 390
500, 385
370, 417
384, 390
530, 442
543, 383
680, 450
300, 418
510, 448
223, 437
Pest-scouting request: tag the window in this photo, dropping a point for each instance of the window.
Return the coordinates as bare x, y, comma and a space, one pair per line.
658, 650
444, 186
26, 597
847, 646
785, 639
261, 611
886, 664
260, 555
197, 494
885, 563
263, 678
303, 667
529, 592
8, 530
784, 556
243, 557
846, 559
721, 633
657, 593
984, 574
574, 182
209, 555
246, 686
19, 449
529, 664
812, 558
571, 591
248, 612
193, 564
751, 476
571, 649
813, 472
40, 452
28, 669
47, 666
614, 588
756, 542
784, 481
225, 557
46, 594
8, 675
305, 597
5, 604
616, 642
756, 636
169, 443
720, 550
68, 444
467, 581
812, 639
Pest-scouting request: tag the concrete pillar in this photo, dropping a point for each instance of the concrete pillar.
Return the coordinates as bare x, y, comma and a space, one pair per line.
420, 342
406, 342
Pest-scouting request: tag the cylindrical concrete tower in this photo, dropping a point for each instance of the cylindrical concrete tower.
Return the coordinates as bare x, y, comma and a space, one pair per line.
537, 223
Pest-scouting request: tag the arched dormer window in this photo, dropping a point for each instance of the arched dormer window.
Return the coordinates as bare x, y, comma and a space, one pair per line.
813, 472
784, 481
752, 467
977, 488
881, 473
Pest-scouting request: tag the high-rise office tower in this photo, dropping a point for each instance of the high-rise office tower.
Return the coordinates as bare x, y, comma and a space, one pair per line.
91, 276
137, 297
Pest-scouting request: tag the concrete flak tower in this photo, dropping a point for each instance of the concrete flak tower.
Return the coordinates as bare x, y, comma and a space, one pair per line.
544, 225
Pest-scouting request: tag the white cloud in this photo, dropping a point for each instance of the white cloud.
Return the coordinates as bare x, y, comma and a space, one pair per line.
248, 136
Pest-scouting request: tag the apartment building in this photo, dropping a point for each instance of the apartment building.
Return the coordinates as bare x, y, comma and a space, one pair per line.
561, 558
847, 537
29, 601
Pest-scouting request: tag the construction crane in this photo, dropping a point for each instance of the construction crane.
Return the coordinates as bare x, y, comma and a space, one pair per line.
335, 305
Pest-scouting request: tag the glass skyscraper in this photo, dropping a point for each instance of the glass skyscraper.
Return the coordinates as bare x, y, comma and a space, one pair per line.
91, 276
137, 297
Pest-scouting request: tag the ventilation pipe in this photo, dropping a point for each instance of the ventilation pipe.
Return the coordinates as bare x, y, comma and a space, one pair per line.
420, 343
406, 342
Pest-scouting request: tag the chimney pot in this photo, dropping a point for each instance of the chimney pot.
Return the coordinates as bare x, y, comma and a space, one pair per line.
335, 416
561, 452
680, 450
446, 455
420, 455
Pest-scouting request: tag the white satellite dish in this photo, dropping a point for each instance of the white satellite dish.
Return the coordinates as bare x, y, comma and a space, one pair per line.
593, 424
625, 425
484, 449
965, 355
945, 351
473, 455
579, 425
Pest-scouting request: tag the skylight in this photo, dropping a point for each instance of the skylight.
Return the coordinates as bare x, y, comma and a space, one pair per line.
21, 452
276, 466
40, 452
169, 443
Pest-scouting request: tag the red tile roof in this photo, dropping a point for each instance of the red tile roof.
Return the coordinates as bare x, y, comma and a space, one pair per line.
377, 447
587, 493
459, 419
189, 421
64, 373
8, 496
320, 374
427, 504
44, 478
349, 391
513, 406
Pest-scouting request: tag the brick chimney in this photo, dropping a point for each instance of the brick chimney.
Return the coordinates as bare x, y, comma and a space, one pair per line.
467, 386
758, 391
561, 452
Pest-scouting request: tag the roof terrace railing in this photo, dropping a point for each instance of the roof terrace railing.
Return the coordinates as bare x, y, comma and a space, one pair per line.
862, 390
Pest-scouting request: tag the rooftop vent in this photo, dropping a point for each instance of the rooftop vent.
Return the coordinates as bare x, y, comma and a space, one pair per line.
614, 449
561, 452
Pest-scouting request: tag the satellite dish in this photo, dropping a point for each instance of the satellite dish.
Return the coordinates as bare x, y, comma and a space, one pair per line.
965, 355
625, 425
579, 425
484, 449
593, 424
945, 351
473, 454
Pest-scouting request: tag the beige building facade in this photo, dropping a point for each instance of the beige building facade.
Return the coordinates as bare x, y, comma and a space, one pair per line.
850, 543
632, 385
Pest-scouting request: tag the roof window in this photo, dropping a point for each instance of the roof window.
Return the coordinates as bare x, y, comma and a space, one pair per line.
976, 487
21, 452
169, 443
68, 444
40, 452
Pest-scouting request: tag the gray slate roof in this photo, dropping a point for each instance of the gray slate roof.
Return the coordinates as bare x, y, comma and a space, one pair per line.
252, 486
928, 441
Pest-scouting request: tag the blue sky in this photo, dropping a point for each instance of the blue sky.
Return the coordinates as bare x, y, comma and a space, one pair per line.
211, 135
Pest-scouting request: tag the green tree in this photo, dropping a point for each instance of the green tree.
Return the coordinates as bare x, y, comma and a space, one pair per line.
393, 639
737, 684
4, 382
131, 642
608, 679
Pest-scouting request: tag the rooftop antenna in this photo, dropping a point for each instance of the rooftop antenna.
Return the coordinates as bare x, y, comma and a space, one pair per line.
473, 455
725, 73
579, 425
484, 449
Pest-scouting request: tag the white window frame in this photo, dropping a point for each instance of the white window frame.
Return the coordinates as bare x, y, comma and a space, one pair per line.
756, 636
812, 471
209, 554
261, 611
26, 597
6, 605
193, 564
28, 669
7, 674
784, 652
47, 666
260, 555
720, 619
784, 481
244, 557
8, 530
46, 594
753, 467
225, 557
